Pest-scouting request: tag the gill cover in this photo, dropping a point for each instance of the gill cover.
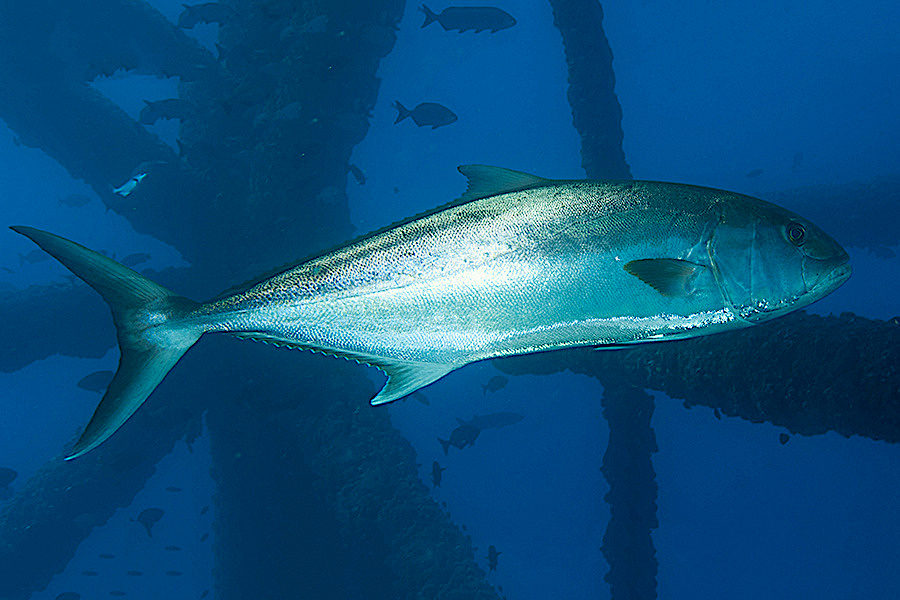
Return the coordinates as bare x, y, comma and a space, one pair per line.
769, 261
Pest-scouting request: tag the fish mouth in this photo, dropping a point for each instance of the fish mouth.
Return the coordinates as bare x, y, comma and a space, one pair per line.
834, 279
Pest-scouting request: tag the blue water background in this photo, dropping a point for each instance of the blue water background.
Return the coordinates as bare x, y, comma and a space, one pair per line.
710, 91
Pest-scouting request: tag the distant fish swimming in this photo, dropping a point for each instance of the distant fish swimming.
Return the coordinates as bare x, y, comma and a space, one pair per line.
436, 474
208, 12
494, 384
135, 259
468, 431
492, 558
469, 18
126, 188
518, 264
97, 381
427, 114
496, 420
170, 108
32, 257
7, 476
464, 435
150, 517
75, 200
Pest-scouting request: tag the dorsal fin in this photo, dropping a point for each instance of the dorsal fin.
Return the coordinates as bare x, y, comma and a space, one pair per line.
487, 181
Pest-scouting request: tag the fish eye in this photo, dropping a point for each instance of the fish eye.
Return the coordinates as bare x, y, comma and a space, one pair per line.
796, 233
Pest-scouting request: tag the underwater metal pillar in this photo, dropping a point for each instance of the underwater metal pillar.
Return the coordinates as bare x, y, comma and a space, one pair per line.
596, 112
318, 496
597, 116
42, 526
628, 468
850, 370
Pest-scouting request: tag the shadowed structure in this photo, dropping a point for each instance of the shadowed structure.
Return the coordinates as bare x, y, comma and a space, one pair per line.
333, 487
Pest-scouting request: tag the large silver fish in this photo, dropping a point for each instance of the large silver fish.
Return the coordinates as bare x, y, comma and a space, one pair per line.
518, 264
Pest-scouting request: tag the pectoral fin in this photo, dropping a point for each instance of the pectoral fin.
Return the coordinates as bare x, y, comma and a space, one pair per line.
668, 276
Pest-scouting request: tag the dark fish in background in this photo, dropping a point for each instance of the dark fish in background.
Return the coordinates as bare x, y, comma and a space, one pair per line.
150, 517
462, 436
208, 12
134, 573
204, 537
798, 162
172, 548
464, 18
204, 594
97, 381
203, 510
436, 470
421, 398
882, 252
492, 558
468, 431
7, 476
493, 420
69, 596
754, 173
170, 108
495, 383
173, 489
783, 438
31, 258
358, 175
133, 260
90, 573
107, 556
427, 114
75, 200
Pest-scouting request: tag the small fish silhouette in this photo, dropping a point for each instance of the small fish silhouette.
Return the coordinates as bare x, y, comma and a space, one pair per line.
150, 517
436, 470
427, 114
75, 200
492, 558
466, 18
97, 381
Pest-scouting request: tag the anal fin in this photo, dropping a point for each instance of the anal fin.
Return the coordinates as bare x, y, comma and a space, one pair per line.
405, 377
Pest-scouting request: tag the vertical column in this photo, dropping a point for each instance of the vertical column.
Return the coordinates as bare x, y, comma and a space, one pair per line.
628, 467
596, 112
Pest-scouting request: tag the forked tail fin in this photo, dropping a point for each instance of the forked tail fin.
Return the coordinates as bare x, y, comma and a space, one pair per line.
430, 17
147, 315
402, 112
